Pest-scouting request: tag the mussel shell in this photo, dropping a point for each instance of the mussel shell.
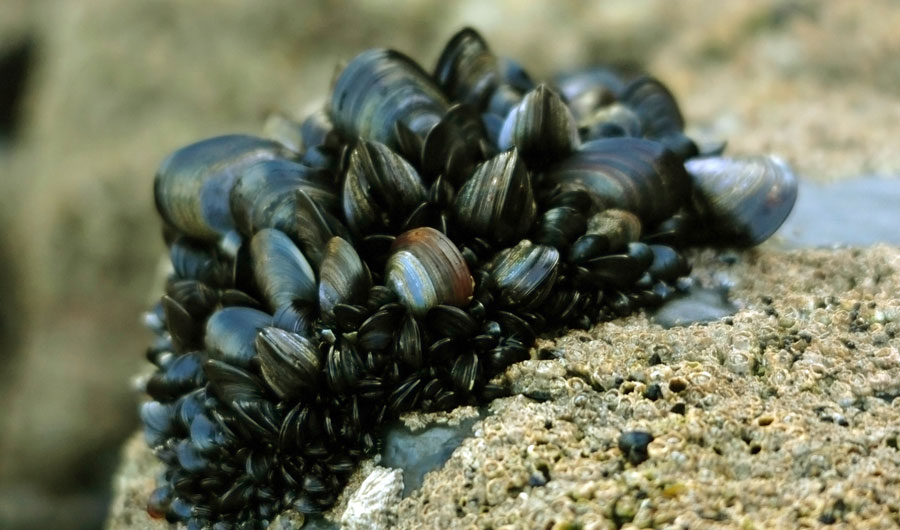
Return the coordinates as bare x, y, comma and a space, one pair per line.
454, 146
202, 262
426, 269
559, 226
314, 226
281, 270
193, 184
742, 201
157, 419
467, 70
290, 363
619, 227
497, 202
633, 174
667, 265
380, 189
408, 342
181, 375
343, 278
587, 89
231, 384
265, 195
294, 318
615, 119
656, 106
231, 334
541, 127
525, 274
381, 90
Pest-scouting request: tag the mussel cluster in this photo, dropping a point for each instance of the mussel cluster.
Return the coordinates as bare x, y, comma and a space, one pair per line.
400, 248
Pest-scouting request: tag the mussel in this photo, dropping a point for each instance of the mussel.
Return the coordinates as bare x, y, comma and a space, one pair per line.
380, 189
282, 271
497, 202
467, 70
634, 174
231, 334
525, 274
426, 269
541, 127
193, 183
343, 278
381, 92
265, 195
742, 201
289, 362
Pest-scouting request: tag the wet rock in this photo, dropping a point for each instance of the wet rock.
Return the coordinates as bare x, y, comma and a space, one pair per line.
698, 305
852, 212
416, 452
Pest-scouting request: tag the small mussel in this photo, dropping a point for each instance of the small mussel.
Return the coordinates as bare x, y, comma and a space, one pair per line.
289, 362
497, 202
343, 278
380, 189
541, 127
398, 249
426, 269
525, 274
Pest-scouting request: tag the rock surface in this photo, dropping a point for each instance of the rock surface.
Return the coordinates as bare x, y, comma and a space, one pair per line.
115, 86
785, 415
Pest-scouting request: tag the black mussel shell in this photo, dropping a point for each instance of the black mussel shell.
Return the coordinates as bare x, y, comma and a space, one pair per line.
289, 362
467, 70
634, 174
541, 127
193, 183
343, 278
742, 200
426, 269
380, 189
382, 91
497, 202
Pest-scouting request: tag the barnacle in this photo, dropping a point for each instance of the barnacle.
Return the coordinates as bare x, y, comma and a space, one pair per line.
398, 250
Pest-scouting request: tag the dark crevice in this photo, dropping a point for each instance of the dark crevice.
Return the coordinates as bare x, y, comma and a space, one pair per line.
16, 63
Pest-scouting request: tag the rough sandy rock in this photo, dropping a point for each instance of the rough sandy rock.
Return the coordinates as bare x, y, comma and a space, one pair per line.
785, 415
373, 505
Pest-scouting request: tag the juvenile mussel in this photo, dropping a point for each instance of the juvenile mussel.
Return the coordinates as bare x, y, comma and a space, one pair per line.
401, 247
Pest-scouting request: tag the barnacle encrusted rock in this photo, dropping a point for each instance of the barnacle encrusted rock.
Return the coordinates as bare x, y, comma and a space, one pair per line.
784, 415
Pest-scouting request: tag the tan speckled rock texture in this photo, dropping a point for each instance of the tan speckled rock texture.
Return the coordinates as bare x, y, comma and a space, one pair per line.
785, 415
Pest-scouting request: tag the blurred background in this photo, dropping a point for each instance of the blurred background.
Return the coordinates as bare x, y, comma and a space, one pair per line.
93, 95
